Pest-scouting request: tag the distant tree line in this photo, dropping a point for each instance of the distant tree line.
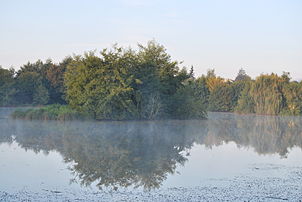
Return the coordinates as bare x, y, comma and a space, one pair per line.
122, 83
268, 94
33, 84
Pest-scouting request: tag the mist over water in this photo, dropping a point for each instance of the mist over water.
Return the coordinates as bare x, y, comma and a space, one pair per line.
145, 154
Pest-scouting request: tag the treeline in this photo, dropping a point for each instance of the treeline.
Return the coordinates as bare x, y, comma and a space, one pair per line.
36, 83
268, 94
122, 83
118, 84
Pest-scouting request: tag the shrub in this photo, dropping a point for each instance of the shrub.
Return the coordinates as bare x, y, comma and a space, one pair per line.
50, 112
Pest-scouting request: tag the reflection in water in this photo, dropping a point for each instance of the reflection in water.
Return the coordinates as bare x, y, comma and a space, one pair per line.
266, 134
142, 154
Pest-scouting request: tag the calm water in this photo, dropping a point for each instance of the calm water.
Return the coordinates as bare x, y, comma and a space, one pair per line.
37, 155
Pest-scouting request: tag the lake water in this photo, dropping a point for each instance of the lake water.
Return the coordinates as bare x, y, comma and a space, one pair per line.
146, 155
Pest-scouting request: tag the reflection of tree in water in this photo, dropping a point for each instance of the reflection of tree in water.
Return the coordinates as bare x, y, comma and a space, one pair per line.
113, 154
119, 154
266, 134
142, 154
6, 131
6, 128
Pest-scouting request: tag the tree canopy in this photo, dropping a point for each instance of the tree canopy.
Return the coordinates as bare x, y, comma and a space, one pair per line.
125, 84
122, 83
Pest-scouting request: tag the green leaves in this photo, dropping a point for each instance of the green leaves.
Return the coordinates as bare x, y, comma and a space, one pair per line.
124, 84
6, 86
271, 94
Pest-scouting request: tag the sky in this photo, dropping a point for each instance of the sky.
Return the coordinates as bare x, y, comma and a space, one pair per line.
260, 36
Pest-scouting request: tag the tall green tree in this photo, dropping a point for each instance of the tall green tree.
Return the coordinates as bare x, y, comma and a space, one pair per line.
55, 76
125, 84
242, 76
101, 85
267, 94
271, 94
7, 90
221, 98
293, 94
30, 88
31, 81
166, 78
246, 102
190, 101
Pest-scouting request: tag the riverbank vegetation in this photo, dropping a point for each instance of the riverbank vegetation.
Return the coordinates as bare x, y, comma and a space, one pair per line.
144, 84
50, 112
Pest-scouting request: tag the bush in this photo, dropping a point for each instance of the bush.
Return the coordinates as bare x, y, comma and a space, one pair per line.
50, 112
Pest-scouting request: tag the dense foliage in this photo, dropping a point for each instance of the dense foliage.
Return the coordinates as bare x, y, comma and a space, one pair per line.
50, 112
125, 84
144, 84
33, 84
117, 85
267, 94
272, 94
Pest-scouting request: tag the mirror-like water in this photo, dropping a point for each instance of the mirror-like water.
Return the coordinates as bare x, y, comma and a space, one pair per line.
39, 155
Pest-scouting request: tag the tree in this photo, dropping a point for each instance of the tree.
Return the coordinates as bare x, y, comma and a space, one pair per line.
124, 84
101, 85
31, 83
270, 94
55, 76
7, 91
212, 80
236, 90
242, 76
26, 83
246, 102
30, 89
221, 99
189, 101
40, 96
202, 90
155, 64
293, 95
267, 94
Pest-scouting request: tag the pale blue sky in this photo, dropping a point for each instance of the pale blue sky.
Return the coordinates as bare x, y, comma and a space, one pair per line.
261, 36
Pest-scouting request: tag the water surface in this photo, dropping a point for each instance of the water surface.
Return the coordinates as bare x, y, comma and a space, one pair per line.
51, 155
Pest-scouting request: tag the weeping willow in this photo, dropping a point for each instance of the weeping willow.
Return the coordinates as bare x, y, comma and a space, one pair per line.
267, 94
272, 95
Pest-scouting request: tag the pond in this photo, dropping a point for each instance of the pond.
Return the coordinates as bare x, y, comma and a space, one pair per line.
39, 156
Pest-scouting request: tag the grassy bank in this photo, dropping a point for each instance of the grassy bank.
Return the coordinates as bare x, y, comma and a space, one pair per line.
50, 112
